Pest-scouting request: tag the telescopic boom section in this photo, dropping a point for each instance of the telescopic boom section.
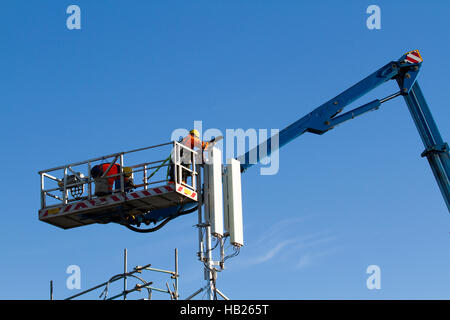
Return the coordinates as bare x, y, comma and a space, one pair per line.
436, 150
328, 115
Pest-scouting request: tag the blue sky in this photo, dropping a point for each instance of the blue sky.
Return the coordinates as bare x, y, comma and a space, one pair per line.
359, 195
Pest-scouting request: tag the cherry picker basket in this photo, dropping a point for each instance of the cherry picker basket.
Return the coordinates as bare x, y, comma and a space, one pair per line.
129, 184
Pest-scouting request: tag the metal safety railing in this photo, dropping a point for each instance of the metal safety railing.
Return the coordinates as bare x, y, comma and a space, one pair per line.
75, 181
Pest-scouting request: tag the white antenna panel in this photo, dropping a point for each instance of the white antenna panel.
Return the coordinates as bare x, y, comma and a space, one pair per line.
214, 192
233, 203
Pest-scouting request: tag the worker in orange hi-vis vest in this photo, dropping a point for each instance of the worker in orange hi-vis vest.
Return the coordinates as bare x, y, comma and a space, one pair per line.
192, 141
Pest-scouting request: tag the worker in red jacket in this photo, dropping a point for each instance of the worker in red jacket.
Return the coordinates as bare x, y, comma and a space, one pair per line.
113, 178
98, 170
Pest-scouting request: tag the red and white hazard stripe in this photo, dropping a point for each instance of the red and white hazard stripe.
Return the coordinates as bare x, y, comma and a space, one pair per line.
413, 57
108, 200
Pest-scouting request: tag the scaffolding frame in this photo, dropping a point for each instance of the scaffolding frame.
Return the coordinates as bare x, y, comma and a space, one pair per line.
173, 292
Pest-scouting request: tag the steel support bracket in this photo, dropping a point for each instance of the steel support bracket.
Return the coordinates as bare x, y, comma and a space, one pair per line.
441, 148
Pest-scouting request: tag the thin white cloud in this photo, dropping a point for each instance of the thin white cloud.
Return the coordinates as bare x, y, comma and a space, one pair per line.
288, 248
273, 252
279, 227
273, 244
304, 261
309, 258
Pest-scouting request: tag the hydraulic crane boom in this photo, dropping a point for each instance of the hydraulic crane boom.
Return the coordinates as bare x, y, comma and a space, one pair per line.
436, 150
70, 205
326, 117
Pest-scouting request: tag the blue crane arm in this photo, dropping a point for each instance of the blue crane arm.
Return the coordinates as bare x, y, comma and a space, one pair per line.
328, 115
436, 150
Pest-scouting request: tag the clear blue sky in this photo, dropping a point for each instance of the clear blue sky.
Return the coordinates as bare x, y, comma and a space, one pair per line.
356, 196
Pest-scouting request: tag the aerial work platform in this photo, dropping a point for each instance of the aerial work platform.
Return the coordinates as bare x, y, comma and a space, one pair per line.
78, 195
